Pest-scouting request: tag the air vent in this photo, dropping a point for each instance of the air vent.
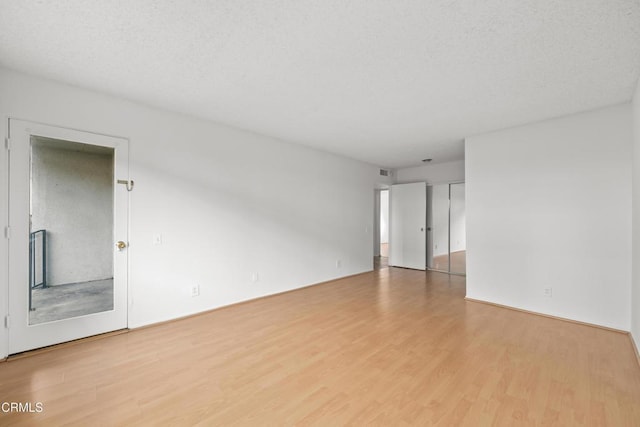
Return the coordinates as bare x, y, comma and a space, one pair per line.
384, 172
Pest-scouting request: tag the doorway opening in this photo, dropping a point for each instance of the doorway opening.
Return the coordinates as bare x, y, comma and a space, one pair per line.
384, 223
381, 229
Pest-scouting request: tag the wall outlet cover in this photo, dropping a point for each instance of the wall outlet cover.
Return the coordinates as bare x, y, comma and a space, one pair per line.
195, 290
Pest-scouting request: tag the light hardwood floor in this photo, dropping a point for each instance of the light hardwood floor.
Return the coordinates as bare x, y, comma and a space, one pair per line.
393, 347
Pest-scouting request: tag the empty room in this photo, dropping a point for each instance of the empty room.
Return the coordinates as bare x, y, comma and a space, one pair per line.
320, 213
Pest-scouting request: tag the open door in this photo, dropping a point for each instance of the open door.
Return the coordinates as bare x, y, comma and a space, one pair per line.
69, 235
407, 233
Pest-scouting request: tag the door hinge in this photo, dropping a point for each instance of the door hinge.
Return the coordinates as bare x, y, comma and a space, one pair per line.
7, 321
7, 232
7, 143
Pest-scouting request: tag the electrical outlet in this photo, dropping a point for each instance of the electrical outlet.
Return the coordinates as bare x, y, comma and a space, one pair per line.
254, 277
157, 239
195, 290
548, 292
338, 263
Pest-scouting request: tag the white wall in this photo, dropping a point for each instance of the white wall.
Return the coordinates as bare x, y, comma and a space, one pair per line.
635, 298
72, 199
549, 206
438, 173
227, 202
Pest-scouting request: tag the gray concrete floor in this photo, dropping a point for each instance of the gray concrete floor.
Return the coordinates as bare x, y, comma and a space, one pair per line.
72, 300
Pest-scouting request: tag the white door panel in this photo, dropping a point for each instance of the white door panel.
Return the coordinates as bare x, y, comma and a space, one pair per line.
24, 332
407, 234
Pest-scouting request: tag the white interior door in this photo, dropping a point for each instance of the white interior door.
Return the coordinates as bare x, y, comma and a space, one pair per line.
407, 233
67, 274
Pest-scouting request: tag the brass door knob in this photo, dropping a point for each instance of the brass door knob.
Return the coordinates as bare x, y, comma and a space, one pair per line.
121, 245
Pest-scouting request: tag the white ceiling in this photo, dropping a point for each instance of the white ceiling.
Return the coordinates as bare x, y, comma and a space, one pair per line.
386, 82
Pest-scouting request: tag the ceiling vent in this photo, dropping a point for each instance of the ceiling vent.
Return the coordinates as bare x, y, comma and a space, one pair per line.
384, 172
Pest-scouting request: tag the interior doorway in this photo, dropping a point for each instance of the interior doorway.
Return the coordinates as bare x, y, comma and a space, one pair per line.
68, 275
384, 223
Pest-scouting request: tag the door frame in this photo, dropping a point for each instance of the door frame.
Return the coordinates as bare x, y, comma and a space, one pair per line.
119, 319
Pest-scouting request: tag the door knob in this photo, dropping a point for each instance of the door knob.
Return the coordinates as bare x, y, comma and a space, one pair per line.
121, 245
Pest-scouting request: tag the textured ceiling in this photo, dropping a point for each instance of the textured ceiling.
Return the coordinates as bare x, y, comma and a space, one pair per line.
387, 82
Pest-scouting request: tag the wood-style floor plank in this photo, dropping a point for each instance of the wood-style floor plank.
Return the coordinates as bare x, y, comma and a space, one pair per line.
392, 347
